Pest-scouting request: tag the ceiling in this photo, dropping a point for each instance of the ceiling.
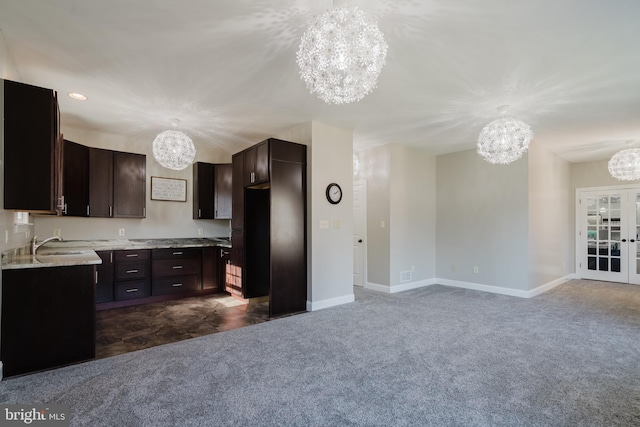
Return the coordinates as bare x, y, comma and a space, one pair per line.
227, 70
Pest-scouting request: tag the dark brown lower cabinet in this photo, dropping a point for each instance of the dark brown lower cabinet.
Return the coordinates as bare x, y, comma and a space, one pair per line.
104, 283
144, 276
48, 318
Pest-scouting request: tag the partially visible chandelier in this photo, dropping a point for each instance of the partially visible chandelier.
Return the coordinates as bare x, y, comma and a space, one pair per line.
173, 149
504, 140
341, 55
625, 165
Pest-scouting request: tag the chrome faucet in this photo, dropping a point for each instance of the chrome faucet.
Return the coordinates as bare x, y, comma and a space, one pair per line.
35, 245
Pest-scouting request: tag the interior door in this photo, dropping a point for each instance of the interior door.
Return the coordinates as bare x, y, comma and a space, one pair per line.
633, 233
359, 231
609, 227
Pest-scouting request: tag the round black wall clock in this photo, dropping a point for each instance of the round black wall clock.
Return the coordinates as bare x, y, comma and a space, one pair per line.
334, 193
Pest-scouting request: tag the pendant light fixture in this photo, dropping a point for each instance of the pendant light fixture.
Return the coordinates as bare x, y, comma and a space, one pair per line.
625, 164
173, 149
341, 55
504, 140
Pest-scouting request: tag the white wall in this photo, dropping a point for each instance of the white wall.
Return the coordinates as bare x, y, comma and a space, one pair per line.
401, 194
551, 248
165, 219
412, 225
482, 217
330, 251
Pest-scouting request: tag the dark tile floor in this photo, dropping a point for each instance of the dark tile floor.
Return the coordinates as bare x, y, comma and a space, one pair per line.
121, 330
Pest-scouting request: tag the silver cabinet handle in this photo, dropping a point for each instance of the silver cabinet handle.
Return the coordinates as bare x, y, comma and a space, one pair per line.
131, 255
177, 285
96, 277
132, 271
110, 211
87, 210
177, 267
177, 253
132, 290
111, 257
199, 213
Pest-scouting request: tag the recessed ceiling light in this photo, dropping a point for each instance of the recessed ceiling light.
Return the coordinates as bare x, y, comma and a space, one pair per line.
78, 96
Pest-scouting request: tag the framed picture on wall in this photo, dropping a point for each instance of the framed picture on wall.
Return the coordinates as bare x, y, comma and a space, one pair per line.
169, 189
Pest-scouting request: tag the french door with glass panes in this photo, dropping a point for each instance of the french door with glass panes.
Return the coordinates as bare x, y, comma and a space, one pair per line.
608, 231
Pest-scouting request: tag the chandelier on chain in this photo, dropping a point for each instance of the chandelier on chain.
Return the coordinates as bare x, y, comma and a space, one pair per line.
504, 140
173, 149
625, 165
341, 55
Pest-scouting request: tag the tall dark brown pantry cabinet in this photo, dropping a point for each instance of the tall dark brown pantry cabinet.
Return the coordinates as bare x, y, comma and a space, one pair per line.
268, 255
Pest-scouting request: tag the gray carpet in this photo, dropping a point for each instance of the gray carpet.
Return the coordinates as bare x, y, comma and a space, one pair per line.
435, 356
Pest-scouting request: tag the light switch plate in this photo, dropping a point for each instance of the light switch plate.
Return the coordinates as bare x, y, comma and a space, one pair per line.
121, 232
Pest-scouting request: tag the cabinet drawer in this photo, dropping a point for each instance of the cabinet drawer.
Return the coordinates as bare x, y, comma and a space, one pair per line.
175, 253
178, 267
132, 255
131, 289
174, 285
131, 270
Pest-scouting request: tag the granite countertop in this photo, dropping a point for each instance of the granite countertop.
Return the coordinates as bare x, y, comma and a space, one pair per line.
82, 252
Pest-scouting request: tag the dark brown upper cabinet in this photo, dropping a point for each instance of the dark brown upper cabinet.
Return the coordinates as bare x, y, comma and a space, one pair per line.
222, 193
237, 191
75, 185
212, 191
129, 185
100, 182
31, 148
203, 190
256, 164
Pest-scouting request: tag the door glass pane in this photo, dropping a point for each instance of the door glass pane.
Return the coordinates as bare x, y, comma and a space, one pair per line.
603, 232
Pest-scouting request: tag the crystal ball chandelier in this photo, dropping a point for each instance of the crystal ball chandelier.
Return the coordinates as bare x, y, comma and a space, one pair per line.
173, 149
341, 55
625, 165
504, 140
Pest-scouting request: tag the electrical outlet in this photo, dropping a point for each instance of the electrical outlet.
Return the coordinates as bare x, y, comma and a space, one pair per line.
337, 223
56, 232
324, 223
121, 232
453, 268
413, 268
475, 269
382, 224
200, 232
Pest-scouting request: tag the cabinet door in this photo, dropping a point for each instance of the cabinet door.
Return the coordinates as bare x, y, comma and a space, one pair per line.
288, 293
104, 285
48, 318
129, 185
75, 179
203, 188
262, 162
100, 182
30, 143
237, 191
222, 194
256, 164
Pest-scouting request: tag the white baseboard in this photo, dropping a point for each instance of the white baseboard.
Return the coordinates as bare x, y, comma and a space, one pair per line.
506, 291
331, 302
402, 287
